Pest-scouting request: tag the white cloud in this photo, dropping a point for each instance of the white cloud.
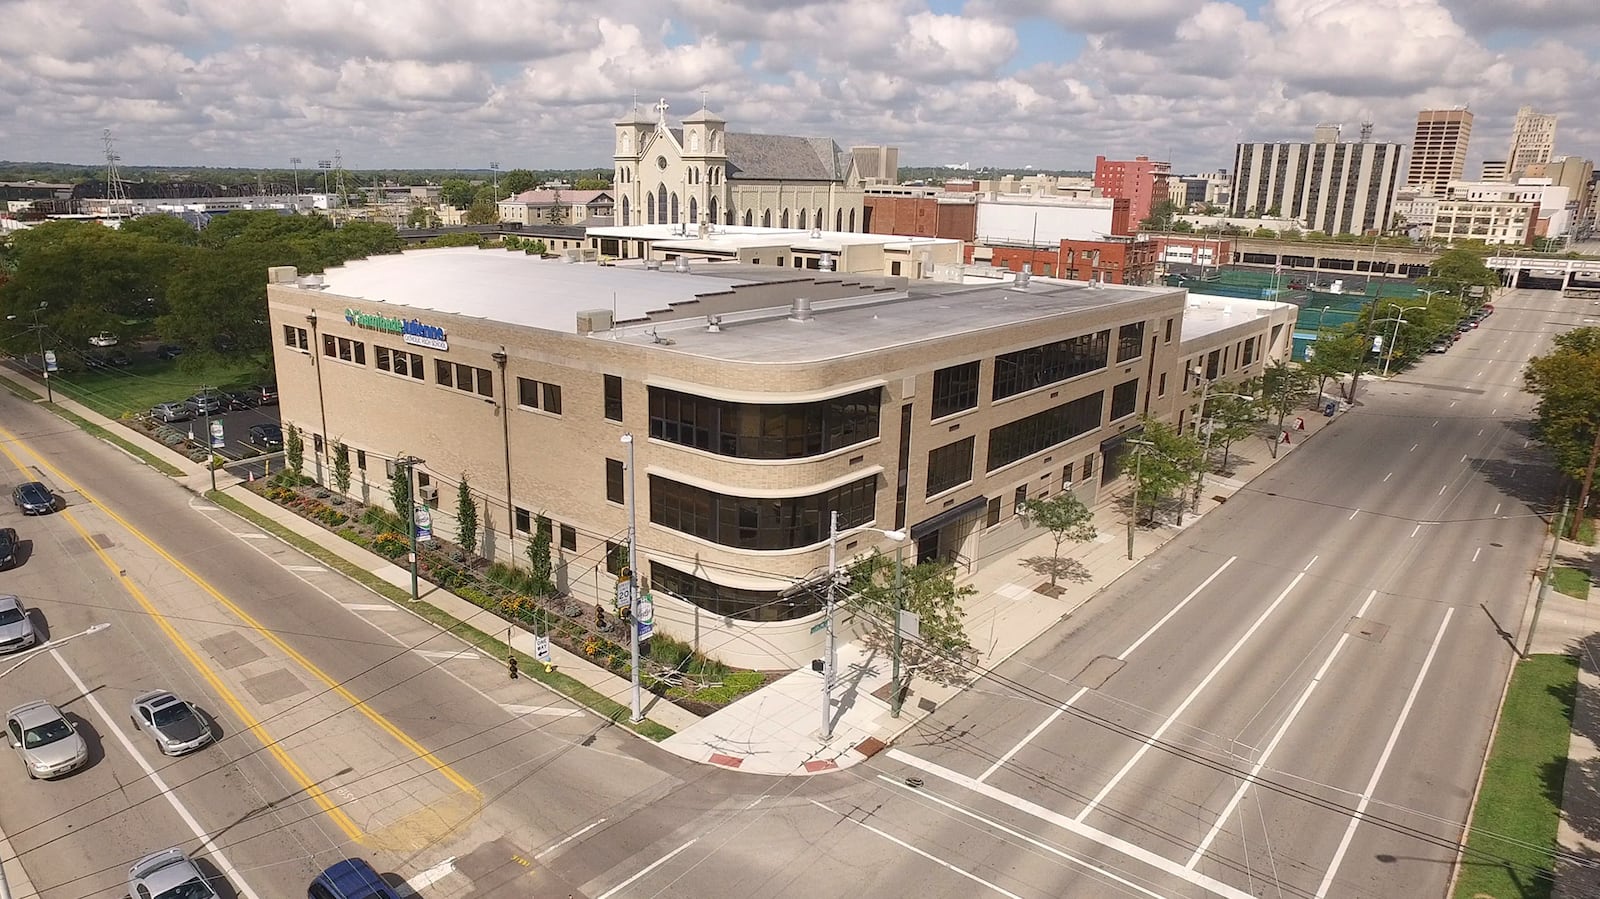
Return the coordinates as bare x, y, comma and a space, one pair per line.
537, 83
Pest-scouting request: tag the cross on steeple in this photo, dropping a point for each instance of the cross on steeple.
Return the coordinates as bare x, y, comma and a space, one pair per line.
703, 93
661, 110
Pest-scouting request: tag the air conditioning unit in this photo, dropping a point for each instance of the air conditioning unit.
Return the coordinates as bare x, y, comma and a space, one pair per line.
592, 320
429, 494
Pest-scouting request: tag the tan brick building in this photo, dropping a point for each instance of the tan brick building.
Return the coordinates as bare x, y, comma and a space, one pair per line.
761, 399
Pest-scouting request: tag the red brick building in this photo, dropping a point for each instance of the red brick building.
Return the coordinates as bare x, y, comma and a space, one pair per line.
1140, 181
955, 218
1180, 249
1108, 261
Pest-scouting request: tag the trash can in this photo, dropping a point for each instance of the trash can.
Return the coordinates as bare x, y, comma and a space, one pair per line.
1328, 410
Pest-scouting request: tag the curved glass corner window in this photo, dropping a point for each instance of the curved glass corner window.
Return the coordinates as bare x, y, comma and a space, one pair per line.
767, 523
734, 602
764, 430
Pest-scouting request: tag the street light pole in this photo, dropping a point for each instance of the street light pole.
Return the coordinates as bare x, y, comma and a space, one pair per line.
52, 644
828, 659
633, 581
410, 462
1395, 338
1205, 460
1138, 467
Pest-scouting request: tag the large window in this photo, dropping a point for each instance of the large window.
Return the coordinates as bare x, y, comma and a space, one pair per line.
1037, 366
400, 362
764, 430
786, 522
950, 465
344, 348
1130, 341
295, 338
615, 492
533, 394
1042, 430
733, 602
464, 377
1124, 399
955, 389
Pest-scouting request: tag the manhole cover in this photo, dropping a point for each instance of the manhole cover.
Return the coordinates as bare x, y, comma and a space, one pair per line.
104, 542
1095, 674
1367, 629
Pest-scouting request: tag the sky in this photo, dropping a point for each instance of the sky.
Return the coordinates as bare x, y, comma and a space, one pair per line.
1010, 83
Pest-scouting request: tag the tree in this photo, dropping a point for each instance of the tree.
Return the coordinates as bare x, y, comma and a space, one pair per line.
516, 181
591, 184
1567, 382
400, 490
163, 228
294, 450
1162, 212
422, 216
1065, 517
1334, 354
1231, 417
1284, 386
1163, 468
466, 516
457, 192
539, 557
1459, 269
341, 466
929, 591
558, 210
483, 211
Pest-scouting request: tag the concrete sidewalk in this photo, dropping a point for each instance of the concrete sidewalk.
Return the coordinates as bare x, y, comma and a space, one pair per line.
778, 731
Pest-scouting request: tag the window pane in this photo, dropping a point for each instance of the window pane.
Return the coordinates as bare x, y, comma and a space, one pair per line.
613, 397
1042, 430
1124, 399
764, 431
1038, 366
441, 371
552, 398
463, 376
765, 523
614, 489
485, 382
380, 358
528, 393
955, 389
950, 465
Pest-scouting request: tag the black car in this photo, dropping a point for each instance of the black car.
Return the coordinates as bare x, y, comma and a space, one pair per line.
33, 498
8, 548
169, 351
269, 436
261, 395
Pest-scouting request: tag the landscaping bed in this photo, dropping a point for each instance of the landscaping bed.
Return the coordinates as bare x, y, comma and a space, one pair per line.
667, 667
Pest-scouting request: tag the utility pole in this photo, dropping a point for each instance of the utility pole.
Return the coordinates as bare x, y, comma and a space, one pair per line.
1544, 583
897, 698
830, 658
211, 452
1138, 466
633, 581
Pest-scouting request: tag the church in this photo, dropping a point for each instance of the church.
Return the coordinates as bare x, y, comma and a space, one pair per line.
701, 173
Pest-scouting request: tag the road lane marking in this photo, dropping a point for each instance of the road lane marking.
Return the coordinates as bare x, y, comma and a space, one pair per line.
1464, 455
1417, 529
1353, 515
927, 855
1387, 477
1115, 844
255, 537
369, 607
1452, 405
1383, 760
570, 837
1474, 554
1121, 657
431, 876
1435, 423
1189, 700
336, 687
552, 710
1311, 563
1413, 447
204, 836
446, 655
1015, 834
1480, 434
1300, 704
1443, 489
306, 567
250, 722
654, 865
1496, 512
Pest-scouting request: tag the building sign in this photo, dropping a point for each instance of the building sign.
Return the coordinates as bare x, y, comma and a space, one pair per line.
410, 330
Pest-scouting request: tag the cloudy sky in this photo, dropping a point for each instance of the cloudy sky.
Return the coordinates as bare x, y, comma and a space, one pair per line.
536, 83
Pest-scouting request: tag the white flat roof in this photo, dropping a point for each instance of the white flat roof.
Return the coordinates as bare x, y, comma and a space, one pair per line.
732, 237
514, 287
1205, 315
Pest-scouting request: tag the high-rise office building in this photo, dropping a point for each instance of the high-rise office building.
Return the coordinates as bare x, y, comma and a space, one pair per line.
1439, 148
1335, 188
1141, 181
1533, 138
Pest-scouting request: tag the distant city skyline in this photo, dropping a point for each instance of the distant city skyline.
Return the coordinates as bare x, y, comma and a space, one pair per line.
1046, 83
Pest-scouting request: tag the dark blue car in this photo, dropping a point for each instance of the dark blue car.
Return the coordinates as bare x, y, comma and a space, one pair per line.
352, 878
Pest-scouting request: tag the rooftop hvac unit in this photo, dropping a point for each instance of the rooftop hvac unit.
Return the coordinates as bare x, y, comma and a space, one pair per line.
592, 320
801, 312
652, 265
1022, 279
573, 255
681, 264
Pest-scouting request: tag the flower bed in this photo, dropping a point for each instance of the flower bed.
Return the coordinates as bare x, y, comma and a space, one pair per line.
668, 667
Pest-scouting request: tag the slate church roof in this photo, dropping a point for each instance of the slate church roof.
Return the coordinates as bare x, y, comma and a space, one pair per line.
782, 157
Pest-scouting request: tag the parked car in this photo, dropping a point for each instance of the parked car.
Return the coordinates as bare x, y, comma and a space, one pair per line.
207, 403
1439, 346
168, 413
8, 548
268, 436
103, 340
352, 878
262, 395
174, 724
47, 742
168, 874
237, 400
169, 351
16, 628
113, 359
33, 498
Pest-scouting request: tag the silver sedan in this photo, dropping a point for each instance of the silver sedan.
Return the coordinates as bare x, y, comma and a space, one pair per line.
49, 744
174, 724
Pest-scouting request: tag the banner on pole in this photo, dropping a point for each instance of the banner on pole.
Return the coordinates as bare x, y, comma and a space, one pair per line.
217, 440
645, 618
424, 524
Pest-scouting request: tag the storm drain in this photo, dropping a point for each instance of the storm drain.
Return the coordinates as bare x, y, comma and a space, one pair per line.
1367, 629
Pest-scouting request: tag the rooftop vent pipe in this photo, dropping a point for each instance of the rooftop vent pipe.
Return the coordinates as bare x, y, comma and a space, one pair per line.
801, 312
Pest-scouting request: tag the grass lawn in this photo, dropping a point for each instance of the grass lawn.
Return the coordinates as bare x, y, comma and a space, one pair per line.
147, 382
1520, 799
1571, 581
1586, 532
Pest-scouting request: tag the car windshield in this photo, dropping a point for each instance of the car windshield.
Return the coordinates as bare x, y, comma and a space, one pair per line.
193, 888
10, 615
45, 734
172, 714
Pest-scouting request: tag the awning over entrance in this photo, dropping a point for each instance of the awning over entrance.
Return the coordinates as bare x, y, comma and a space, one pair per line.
949, 516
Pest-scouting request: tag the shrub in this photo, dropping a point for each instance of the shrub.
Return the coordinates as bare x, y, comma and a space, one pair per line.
391, 544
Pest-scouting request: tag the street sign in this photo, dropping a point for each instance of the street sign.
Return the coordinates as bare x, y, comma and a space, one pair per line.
910, 625
541, 648
820, 626
49, 360
644, 617
624, 594
424, 525
217, 440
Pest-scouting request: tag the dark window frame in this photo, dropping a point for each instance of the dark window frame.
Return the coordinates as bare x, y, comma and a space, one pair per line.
616, 486
950, 466
1029, 369
1033, 434
760, 523
955, 388
1130, 342
613, 397
765, 430
1125, 399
